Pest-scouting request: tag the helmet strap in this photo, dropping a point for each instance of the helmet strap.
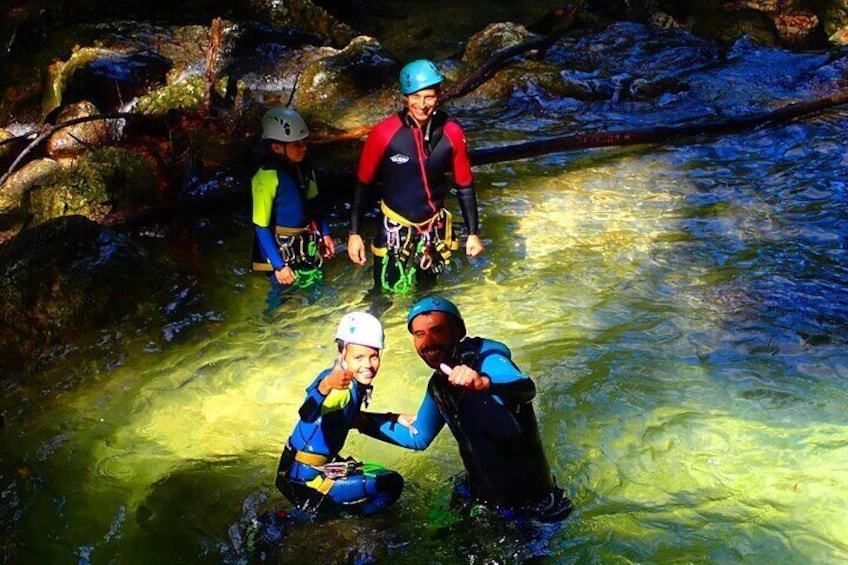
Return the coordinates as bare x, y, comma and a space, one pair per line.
342, 355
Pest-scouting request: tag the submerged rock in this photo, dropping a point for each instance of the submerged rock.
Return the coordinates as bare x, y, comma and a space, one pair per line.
63, 278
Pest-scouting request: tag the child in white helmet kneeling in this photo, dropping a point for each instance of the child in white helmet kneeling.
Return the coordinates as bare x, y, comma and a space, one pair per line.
311, 473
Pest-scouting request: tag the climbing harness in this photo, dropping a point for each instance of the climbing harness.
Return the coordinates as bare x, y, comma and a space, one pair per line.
341, 469
300, 248
423, 246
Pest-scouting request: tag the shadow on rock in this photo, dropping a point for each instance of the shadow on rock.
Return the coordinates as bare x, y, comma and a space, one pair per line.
66, 277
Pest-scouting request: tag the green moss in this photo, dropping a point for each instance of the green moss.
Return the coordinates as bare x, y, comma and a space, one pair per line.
186, 95
105, 180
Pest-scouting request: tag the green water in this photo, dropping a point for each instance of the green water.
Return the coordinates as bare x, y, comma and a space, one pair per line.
680, 309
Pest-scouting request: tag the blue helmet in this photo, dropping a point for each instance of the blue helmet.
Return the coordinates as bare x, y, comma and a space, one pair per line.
419, 75
435, 304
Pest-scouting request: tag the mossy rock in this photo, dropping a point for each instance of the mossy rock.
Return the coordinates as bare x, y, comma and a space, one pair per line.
105, 180
185, 96
349, 87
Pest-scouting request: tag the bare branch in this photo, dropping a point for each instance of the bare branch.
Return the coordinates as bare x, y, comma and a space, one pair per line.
49, 130
488, 69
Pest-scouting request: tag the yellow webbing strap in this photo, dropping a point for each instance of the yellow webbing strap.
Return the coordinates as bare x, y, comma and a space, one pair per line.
281, 230
321, 484
313, 459
392, 215
452, 243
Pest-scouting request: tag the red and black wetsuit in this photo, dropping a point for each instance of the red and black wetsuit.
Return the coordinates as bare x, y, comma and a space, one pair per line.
412, 163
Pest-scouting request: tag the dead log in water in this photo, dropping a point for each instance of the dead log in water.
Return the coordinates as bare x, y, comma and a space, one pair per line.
658, 134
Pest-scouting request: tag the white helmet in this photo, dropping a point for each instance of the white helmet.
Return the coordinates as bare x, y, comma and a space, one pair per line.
283, 124
361, 328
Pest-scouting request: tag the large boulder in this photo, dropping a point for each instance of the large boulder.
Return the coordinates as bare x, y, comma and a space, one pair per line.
63, 278
834, 17
14, 191
69, 143
102, 182
303, 15
348, 87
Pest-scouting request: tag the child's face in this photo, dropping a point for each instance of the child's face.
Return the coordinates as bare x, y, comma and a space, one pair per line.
294, 151
364, 361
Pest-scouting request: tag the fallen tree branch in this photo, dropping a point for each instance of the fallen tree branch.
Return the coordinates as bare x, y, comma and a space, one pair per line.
49, 130
499, 59
654, 134
211, 61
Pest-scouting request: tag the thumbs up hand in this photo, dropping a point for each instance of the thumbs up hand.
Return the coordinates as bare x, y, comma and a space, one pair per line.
465, 377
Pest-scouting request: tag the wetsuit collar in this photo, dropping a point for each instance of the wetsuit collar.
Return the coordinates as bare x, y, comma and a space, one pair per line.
367, 392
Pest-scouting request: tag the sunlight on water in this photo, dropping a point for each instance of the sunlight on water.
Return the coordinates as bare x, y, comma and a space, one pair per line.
690, 378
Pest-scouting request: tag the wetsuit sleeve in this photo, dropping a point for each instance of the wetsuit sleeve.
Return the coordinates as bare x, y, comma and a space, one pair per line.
356, 207
428, 424
269, 247
508, 385
310, 410
316, 206
375, 148
461, 164
263, 190
468, 206
369, 165
463, 177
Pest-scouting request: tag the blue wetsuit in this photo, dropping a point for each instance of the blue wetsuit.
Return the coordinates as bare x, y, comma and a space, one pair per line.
285, 197
496, 431
316, 440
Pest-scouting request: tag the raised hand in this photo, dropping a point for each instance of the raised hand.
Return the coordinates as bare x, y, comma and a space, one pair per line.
465, 377
338, 379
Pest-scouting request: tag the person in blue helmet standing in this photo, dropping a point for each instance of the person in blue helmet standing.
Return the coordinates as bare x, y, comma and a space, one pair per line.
292, 235
411, 153
486, 401
311, 472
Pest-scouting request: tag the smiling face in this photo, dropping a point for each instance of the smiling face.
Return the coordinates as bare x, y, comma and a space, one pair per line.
421, 104
434, 337
364, 361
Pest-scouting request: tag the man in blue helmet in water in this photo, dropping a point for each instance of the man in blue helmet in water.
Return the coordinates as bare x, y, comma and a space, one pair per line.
411, 152
485, 400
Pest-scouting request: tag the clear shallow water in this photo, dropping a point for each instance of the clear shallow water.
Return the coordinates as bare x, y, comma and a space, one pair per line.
680, 307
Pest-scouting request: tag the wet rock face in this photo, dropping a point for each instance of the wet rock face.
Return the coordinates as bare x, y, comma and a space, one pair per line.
493, 39
63, 278
107, 180
341, 83
303, 15
111, 82
74, 141
14, 191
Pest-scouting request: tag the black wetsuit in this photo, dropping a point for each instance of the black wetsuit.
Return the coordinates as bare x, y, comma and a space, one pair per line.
413, 164
496, 431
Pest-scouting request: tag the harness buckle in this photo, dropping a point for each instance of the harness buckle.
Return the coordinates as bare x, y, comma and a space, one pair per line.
340, 469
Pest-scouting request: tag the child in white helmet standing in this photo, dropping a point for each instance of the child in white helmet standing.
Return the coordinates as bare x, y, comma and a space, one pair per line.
292, 235
311, 473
